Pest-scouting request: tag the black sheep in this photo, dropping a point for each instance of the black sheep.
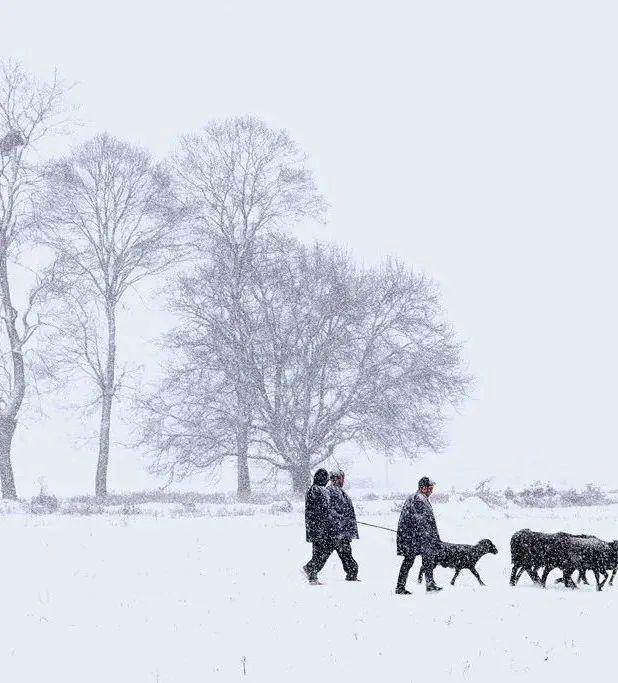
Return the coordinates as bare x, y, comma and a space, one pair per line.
591, 553
531, 550
528, 553
457, 556
612, 563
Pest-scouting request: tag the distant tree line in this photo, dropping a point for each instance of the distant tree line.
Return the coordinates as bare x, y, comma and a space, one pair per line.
282, 350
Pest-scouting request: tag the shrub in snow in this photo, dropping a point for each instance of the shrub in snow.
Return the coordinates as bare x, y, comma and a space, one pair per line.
44, 504
281, 507
591, 495
88, 508
540, 495
130, 510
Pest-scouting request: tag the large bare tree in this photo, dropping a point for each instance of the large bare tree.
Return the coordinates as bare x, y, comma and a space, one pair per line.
240, 178
30, 112
343, 354
109, 216
331, 354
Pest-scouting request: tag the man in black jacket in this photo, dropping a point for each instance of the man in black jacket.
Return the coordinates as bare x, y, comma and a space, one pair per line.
417, 534
345, 527
318, 525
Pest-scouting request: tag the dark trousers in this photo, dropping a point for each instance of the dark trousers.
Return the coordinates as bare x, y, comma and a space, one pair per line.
427, 567
350, 565
322, 550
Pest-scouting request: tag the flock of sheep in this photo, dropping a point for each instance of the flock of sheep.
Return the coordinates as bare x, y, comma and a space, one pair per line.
532, 551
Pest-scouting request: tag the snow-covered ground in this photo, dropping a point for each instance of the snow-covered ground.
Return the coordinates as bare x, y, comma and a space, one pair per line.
169, 599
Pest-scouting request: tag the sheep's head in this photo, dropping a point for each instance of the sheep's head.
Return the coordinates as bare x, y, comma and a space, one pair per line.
486, 546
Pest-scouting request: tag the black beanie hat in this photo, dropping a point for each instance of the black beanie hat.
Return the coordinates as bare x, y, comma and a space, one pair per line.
320, 477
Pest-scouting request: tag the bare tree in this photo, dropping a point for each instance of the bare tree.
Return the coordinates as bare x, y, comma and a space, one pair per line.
347, 355
240, 178
331, 354
30, 111
109, 217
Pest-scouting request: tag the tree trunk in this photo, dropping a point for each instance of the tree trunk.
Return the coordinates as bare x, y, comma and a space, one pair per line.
108, 391
104, 434
8, 421
244, 480
6, 469
301, 478
243, 490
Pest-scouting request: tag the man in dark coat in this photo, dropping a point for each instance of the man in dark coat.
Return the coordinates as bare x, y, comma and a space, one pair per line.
344, 523
417, 534
318, 525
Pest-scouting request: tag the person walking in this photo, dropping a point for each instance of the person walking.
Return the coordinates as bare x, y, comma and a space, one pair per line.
345, 528
417, 534
318, 525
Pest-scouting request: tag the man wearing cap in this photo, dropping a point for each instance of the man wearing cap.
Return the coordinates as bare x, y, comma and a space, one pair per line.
417, 534
318, 525
345, 527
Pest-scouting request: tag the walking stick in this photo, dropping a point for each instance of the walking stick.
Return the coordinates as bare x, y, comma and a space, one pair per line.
376, 526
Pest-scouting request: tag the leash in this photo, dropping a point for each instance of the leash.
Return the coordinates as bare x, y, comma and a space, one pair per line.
376, 526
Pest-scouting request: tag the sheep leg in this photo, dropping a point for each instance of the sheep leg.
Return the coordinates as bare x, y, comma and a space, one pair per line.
545, 575
600, 584
579, 579
532, 573
582, 577
476, 575
518, 571
567, 581
455, 577
611, 581
420, 574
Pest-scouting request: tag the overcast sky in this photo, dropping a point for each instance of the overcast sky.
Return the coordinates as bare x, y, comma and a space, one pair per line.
476, 140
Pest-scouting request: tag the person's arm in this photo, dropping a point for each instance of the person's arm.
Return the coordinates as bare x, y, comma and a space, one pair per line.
321, 511
423, 517
308, 505
432, 524
435, 526
352, 510
324, 504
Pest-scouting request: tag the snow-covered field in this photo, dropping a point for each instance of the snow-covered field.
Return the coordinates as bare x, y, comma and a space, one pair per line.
181, 599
